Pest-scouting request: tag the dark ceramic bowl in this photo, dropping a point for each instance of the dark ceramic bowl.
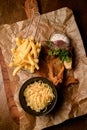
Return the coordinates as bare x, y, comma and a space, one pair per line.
23, 102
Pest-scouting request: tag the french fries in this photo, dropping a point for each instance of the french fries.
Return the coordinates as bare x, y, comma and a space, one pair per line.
26, 55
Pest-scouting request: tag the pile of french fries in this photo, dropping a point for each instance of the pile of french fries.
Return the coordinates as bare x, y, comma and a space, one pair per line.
25, 55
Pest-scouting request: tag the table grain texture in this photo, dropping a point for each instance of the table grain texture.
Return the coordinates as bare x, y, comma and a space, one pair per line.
13, 11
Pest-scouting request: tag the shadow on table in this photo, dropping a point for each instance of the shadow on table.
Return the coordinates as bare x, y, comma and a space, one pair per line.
78, 123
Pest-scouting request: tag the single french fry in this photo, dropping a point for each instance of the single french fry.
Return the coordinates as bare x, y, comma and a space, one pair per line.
27, 51
36, 66
33, 49
18, 41
31, 60
16, 70
32, 69
36, 60
38, 50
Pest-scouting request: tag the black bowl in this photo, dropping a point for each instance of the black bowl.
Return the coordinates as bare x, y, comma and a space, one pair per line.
23, 102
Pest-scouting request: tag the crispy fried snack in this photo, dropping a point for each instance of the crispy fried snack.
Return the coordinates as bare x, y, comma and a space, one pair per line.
70, 80
25, 55
52, 68
56, 70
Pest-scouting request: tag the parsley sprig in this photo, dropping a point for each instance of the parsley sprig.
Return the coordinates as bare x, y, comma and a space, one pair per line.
63, 54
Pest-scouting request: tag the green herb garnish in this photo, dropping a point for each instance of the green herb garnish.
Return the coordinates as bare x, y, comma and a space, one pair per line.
49, 44
63, 54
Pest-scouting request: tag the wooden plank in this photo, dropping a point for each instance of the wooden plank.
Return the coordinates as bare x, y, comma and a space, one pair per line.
5, 118
30, 7
7, 86
12, 11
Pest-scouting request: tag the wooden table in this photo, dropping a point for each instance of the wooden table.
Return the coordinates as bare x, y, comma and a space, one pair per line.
79, 8
13, 8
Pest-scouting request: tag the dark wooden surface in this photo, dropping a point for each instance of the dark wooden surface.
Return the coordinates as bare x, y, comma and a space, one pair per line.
79, 8
13, 10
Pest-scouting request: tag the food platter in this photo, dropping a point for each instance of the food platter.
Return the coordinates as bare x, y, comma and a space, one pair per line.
75, 96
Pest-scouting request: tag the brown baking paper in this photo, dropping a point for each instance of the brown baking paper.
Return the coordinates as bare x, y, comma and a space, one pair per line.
75, 97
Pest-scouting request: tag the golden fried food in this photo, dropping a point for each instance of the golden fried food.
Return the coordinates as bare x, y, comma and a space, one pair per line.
70, 80
56, 71
25, 55
51, 67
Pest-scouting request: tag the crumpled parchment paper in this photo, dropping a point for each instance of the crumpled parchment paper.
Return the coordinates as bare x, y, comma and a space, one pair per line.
75, 97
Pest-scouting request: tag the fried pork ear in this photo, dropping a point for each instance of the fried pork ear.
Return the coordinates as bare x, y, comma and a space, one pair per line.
70, 80
56, 71
51, 67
